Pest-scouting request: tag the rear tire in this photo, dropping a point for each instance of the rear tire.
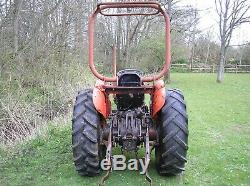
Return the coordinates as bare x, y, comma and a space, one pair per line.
87, 151
173, 135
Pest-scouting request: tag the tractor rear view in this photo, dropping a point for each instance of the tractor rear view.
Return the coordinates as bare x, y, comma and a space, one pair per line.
162, 125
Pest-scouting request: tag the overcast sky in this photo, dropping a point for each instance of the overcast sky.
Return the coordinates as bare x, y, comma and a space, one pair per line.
209, 18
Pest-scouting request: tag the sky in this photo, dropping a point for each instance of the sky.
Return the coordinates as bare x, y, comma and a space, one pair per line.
209, 18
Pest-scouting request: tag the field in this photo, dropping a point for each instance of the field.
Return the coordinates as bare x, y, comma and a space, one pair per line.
219, 142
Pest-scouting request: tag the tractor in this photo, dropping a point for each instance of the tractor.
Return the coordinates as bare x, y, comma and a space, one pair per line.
161, 125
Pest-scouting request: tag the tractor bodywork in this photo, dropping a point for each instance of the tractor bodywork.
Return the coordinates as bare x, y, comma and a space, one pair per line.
102, 91
162, 124
133, 117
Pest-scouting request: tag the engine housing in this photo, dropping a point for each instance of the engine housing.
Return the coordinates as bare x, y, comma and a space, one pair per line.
129, 78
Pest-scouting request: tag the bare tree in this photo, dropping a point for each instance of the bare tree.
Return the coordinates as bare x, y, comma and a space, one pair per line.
183, 20
17, 5
232, 13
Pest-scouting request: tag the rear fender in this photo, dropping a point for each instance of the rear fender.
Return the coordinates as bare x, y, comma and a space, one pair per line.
101, 100
158, 97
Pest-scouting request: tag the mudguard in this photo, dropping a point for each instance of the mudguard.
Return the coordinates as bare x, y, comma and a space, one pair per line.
158, 97
101, 100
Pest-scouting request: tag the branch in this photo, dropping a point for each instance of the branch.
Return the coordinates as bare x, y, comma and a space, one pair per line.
231, 17
39, 24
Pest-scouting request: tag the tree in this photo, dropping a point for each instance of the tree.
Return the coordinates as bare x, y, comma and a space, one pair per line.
182, 21
232, 13
17, 5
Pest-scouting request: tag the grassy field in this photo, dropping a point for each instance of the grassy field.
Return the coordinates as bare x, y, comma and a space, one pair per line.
219, 142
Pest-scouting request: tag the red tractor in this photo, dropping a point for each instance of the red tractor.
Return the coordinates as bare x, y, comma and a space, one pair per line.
162, 125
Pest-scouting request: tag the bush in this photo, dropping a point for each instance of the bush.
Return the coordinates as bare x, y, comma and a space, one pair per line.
32, 95
181, 61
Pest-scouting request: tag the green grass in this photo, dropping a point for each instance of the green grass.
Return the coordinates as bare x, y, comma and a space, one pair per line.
219, 142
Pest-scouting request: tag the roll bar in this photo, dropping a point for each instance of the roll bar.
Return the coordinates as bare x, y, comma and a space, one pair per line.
149, 4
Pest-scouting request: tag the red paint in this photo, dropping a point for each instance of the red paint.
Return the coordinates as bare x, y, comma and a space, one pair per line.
104, 87
101, 99
91, 29
158, 97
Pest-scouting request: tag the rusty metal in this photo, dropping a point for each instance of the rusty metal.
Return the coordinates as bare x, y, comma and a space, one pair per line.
132, 123
147, 157
152, 134
108, 158
104, 6
129, 127
127, 90
149, 4
115, 120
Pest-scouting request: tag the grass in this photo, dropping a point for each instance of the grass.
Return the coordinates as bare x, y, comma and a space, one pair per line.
219, 142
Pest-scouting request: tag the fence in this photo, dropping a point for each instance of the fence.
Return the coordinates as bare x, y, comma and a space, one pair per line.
230, 68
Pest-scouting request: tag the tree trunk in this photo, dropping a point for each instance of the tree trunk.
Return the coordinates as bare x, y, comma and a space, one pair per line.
127, 47
207, 54
220, 73
118, 41
34, 42
231, 15
192, 53
63, 34
79, 42
17, 3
